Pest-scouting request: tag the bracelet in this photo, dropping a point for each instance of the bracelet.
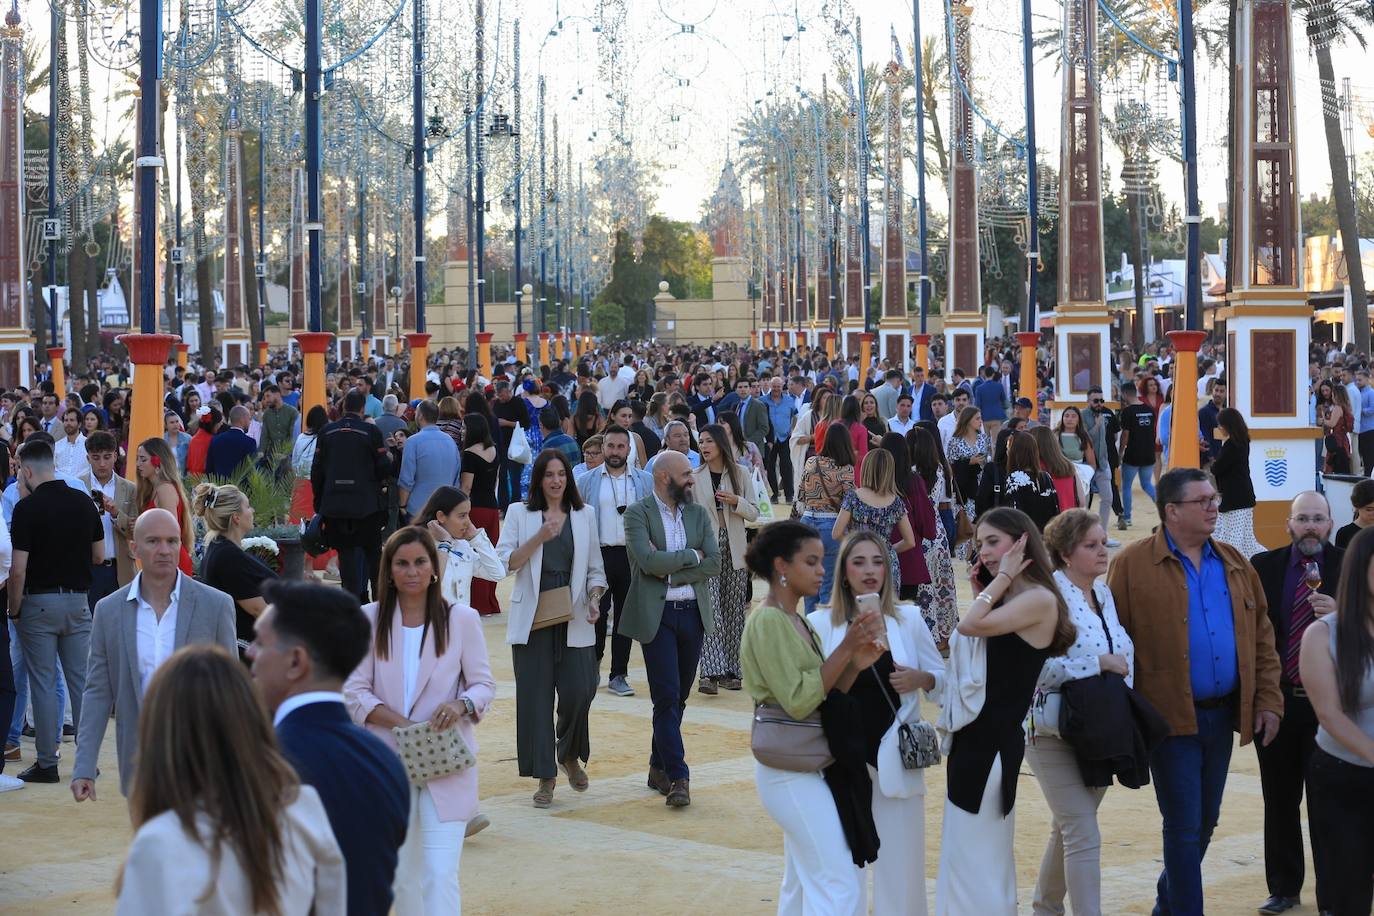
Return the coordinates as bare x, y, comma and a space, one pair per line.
983, 596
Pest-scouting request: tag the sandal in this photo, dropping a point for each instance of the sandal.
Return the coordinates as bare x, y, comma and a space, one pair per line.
577, 777
543, 796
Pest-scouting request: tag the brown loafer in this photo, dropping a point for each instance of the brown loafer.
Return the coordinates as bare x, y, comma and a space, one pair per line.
707, 685
678, 794
659, 781
577, 777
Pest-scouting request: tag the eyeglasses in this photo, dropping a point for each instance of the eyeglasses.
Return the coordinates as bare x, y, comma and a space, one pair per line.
1202, 502
1315, 520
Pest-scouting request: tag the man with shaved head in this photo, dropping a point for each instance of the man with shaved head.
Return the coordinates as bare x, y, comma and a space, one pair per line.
1293, 604
232, 446
136, 628
674, 554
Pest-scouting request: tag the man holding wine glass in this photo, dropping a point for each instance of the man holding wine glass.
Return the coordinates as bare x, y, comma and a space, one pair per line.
1300, 581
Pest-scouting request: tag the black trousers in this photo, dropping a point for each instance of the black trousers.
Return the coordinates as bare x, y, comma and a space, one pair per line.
1366, 445
1340, 797
617, 563
779, 456
1283, 767
359, 545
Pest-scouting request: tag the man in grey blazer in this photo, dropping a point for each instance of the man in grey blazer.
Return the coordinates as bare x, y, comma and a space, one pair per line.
135, 629
674, 554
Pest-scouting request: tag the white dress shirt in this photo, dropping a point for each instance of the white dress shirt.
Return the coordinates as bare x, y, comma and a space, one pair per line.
414, 640
70, 457
291, 704
108, 489
614, 493
900, 427
675, 533
156, 636
946, 426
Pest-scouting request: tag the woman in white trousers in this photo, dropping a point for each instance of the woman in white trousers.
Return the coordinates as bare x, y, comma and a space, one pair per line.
783, 666
899, 812
1072, 863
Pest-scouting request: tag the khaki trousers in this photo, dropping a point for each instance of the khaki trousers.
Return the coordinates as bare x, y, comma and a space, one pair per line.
1073, 855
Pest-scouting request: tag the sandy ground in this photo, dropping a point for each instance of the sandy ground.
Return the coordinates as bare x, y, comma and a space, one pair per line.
616, 848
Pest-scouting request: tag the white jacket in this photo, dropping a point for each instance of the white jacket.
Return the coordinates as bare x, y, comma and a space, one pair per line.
912, 647
587, 573
466, 560
966, 684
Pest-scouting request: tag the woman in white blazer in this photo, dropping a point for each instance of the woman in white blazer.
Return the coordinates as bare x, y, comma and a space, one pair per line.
911, 664
222, 823
426, 662
465, 551
551, 545
725, 489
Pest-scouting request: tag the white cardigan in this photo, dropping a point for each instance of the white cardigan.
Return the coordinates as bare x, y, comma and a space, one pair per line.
467, 560
912, 647
587, 573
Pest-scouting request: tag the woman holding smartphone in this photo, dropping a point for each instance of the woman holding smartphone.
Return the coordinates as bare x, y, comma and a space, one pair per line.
888, 692
1022, 616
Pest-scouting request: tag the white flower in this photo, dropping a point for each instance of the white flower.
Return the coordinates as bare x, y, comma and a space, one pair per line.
1018, 479
265, 543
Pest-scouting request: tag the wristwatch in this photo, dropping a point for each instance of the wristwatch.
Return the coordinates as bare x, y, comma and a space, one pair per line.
469, 707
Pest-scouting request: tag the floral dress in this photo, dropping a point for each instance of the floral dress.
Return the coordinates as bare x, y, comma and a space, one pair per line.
938, 598
960, 450
862, 516
534, 435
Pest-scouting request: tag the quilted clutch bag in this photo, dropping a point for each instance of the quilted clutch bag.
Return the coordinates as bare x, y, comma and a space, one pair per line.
428, 754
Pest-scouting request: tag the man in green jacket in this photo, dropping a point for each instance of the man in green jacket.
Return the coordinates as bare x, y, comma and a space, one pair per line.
673, 555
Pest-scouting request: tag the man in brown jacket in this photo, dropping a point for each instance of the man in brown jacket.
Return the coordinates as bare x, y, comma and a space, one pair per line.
1204, 657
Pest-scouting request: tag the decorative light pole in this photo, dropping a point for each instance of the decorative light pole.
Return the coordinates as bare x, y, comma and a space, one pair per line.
519, 287
52, 226
923, 279
314, 342
419, 339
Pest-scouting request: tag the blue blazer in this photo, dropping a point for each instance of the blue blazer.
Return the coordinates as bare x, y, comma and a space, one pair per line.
365, 792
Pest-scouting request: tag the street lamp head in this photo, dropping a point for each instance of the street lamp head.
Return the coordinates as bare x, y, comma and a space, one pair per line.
527, 289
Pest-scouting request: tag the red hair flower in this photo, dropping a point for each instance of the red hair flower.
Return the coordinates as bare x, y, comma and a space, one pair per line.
155, 461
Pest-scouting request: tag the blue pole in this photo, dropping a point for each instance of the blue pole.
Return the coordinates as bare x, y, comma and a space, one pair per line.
479, 250
314, 229
519, 276
923, 281
53, 244
149, 70
1191, 217
863, 177
418, 159
262, 218
1032, 190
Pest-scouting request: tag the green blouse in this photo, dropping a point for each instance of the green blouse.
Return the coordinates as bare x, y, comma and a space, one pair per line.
778, 666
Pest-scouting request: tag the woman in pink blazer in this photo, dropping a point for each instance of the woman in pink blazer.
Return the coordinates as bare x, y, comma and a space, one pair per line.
427, 663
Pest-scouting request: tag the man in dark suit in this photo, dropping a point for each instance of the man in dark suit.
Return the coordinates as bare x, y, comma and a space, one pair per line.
1283, 762
230, 448
703, 402
921, 393
307, 641
351, 463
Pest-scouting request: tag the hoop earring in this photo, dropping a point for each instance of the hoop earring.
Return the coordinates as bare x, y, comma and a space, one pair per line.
433, 577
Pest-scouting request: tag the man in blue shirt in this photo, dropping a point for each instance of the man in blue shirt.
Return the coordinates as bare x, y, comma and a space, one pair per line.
1365, 406
554, 437
429, 460
782, 413
990, 400
1179, 595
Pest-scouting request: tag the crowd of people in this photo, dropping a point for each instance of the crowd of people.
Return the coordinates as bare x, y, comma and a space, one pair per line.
277, 740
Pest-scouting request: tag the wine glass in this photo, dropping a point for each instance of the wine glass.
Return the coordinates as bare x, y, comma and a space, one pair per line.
1312, 575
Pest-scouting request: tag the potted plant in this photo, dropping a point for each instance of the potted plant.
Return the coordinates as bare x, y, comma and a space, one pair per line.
269, 493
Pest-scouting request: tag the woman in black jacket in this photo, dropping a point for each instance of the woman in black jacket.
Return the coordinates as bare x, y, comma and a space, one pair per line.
1231, 471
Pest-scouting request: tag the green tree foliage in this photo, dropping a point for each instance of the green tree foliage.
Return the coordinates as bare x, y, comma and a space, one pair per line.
608, 319
673, 251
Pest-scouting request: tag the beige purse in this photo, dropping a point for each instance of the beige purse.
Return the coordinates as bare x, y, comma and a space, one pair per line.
428, 754
555, 607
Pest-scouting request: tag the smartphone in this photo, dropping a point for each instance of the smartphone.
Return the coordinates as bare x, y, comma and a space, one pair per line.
983, 576
871, 602
99, 500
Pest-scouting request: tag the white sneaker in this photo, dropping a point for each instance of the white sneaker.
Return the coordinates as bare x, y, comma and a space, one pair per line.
9, 783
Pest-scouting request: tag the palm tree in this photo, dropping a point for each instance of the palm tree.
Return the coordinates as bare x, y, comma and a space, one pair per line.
1334, 22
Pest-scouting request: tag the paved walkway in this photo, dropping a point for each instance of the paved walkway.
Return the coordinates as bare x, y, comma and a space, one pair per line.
616, 849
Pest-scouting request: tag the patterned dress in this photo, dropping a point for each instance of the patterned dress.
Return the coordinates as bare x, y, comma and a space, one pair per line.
730, 595
534, 435
938, 598
882, 521
959, 450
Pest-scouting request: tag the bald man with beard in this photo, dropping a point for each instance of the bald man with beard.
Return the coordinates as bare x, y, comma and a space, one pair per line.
136, 628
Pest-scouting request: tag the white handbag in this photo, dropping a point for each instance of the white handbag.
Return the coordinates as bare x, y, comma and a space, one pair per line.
519, 450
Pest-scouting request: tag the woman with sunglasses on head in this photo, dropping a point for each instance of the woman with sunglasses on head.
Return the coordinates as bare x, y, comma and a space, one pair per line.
550, 544
724, 489
1023, 619
887, 692
426, 663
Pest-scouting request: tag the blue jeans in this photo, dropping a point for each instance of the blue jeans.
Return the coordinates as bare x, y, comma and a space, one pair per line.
670, 666
1189, 773
823, 527
951, 524
1128, 476
21, 689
